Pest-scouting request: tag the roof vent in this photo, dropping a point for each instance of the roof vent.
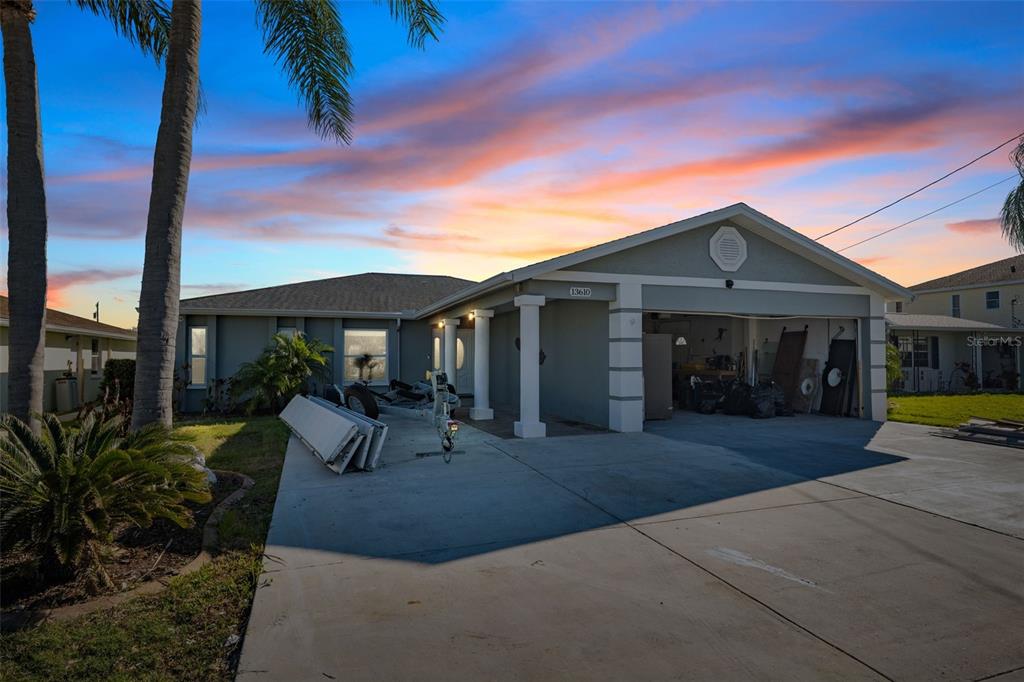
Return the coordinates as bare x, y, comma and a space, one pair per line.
728, 249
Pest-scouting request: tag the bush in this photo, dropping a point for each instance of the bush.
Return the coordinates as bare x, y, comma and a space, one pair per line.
118, 379
65, 492
281, 371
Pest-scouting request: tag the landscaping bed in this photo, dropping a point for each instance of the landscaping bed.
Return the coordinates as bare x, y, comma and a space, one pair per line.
138, 555
953, 410
193, 629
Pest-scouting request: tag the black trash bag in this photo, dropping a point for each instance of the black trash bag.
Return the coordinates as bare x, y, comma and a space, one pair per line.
737, 398
782, 408
762, 402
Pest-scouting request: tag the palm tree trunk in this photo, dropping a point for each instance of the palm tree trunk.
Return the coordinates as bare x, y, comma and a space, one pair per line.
26, 214
161, 273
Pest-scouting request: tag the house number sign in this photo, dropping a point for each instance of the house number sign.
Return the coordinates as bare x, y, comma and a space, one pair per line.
580, 292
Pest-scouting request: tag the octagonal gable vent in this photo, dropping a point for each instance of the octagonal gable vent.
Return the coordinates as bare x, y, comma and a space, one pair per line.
728, 249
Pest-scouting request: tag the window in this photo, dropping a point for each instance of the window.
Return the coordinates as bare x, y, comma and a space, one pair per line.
898, 307
913, 352
992, 300
366, 355
198, 355
437, 352
287, 331
95, 364
954, 305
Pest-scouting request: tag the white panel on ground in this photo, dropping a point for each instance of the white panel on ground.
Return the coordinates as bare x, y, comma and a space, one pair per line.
324, 431
374, 431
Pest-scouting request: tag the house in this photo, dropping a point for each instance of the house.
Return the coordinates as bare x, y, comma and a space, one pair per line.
969, 322
75, 345
598, 336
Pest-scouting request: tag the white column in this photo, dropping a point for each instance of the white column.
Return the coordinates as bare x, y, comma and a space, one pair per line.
875, 387
529, 424
451, 329
481, 409
625, 360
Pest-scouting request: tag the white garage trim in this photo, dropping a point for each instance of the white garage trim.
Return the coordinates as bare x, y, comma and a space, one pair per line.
707, 282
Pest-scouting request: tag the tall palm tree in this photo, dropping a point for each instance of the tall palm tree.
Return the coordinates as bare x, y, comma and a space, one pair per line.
144, 23
1013, 208
308, 40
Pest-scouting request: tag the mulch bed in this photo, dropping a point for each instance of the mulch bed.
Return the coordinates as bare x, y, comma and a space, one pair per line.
137, 555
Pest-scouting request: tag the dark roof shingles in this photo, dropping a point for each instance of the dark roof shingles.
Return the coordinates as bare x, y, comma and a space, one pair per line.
1000, 271
372, 292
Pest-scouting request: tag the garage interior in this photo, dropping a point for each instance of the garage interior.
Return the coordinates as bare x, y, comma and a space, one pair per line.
691, 359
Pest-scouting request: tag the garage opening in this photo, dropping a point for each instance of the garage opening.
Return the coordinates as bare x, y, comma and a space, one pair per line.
731, 363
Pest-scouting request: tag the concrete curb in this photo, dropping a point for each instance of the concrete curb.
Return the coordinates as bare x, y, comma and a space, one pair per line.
16, 619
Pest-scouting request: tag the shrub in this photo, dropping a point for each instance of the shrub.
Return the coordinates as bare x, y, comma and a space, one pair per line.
65, 492
281, 371
118, 379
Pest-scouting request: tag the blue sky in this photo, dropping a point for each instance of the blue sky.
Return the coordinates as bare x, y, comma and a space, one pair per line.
532, 129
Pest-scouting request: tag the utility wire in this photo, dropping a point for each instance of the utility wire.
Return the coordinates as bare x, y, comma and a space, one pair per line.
921, 189
920, 217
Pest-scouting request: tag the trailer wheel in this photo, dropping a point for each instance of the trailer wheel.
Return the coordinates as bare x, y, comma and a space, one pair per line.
359, 399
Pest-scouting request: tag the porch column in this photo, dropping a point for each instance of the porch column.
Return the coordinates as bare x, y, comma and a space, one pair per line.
626, 360
878, 402
481, 409
451, 329
529, 424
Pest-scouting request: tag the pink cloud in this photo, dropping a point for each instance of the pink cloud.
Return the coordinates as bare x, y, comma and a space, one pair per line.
979, 226
59, 283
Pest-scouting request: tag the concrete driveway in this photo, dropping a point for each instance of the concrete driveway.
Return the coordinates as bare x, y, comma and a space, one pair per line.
710, 547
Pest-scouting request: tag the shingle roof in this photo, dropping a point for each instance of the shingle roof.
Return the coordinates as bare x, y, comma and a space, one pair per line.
915, 321
371, 292
57, 318
1000, 271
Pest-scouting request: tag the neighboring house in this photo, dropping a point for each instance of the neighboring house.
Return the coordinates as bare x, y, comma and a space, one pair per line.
967, 322
75, 345
992, 293
565, 338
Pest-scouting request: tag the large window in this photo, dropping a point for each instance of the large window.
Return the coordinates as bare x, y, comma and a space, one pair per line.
954, 305
197, 351
366, 355
992, 300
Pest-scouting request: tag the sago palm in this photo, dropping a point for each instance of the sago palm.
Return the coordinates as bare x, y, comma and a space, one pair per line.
63, 492
144, 23
1012, 217
309, 42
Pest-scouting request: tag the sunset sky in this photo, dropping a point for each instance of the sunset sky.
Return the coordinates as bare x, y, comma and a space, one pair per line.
533, 129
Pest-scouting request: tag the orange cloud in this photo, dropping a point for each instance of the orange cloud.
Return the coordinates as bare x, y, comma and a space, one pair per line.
59, 283
980, 226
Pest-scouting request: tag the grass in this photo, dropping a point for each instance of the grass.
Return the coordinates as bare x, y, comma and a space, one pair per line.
181, 633
953, 410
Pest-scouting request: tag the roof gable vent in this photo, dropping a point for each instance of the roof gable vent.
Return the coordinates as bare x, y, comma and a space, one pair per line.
728, 249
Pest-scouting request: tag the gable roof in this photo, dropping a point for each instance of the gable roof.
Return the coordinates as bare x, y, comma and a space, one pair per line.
372, 294
740, 213
1005, 270
57, 320
935, 322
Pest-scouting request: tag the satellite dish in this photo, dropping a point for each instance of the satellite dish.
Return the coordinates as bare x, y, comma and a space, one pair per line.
834, 377
807, 387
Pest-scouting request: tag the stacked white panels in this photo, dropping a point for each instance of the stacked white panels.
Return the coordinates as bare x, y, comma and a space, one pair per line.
331, 436
373, 432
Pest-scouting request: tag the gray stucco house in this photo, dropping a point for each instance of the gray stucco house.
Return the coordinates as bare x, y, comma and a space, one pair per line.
565, 337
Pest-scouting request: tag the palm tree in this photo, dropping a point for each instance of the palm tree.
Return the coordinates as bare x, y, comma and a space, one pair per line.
144, 23
281, 371
309, 42
1013, 208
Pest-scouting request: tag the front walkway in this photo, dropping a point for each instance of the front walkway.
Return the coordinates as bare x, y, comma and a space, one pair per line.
643, 556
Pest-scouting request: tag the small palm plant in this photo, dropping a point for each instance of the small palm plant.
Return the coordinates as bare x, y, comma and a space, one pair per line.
64, 493
281, 371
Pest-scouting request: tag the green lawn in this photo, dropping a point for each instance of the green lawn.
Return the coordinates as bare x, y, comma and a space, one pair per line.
181, 633
953, 410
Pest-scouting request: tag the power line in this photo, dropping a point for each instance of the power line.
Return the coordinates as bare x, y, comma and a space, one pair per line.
920, 217
921, 189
